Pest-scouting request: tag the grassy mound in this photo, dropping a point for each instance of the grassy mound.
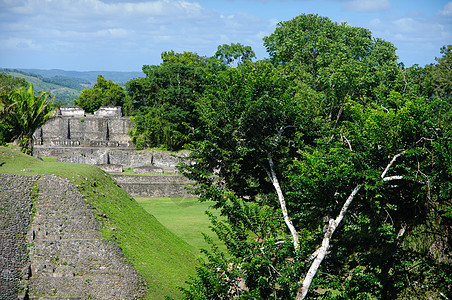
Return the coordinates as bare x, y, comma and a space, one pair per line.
163, 259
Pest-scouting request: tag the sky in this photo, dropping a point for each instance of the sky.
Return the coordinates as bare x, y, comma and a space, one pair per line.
124, 35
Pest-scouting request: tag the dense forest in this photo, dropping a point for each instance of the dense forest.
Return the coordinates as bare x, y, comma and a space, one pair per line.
330, 162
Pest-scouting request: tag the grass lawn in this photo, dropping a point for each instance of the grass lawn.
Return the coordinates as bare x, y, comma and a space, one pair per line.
184, 216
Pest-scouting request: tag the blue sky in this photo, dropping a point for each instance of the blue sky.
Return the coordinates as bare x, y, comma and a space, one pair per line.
124, 35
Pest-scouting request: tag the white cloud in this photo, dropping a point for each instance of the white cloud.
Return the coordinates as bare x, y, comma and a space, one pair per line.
18, 44
367, 5
447, 10
408, 29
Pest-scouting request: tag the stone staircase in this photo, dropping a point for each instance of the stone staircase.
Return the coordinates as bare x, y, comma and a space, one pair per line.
69, 260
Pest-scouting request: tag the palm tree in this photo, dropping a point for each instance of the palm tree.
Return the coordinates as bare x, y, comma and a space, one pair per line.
25, 112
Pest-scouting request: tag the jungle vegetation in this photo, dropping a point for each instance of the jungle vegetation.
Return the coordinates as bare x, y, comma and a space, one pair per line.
330, 162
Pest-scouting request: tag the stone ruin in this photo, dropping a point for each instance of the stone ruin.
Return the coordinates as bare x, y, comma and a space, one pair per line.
71, 128
102, 139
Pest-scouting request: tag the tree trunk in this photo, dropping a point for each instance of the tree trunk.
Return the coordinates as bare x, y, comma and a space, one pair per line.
321, 252
282, 202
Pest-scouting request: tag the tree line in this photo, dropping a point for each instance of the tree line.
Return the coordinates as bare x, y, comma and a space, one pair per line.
330, 162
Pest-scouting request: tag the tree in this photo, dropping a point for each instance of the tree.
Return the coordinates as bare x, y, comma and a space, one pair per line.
243, 113
438, 77
7, 84
164, 100
103, 93
341, 61
370, 185
234, 53
23, 113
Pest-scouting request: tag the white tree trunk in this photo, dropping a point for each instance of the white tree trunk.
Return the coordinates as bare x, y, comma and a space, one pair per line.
332, 225
321, 252
282, 202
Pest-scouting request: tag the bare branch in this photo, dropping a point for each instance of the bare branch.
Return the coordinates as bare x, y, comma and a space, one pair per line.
391, 163
348, 142
389, 178
280, 131
313, 255
274, 179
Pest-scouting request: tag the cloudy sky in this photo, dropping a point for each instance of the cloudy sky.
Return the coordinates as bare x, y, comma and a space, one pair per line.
123, 35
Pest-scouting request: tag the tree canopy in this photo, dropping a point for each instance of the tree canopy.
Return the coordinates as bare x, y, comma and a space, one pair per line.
331, 173
164, 100
234, 53
103, 93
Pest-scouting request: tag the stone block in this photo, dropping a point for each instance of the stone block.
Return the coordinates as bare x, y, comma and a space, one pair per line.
109, 111
148, 170
71, 111
111, 168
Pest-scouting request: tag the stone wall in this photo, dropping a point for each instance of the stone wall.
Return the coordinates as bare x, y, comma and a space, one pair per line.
154, 185
72, 128
109, 111
80, 131
126, 158
67, 258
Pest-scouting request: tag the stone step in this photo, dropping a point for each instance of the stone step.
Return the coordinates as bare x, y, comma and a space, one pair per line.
81, 287
151, 178
155, 189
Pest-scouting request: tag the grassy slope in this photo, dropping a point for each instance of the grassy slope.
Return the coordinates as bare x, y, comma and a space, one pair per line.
163, 259
184, 216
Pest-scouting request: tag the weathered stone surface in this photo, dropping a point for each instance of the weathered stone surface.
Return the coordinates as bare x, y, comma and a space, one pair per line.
123, 178
126, 158
15, 216
109, 168
71, 111
72, 128
66, 256
155, 189
109, 111
148, 170
154, 185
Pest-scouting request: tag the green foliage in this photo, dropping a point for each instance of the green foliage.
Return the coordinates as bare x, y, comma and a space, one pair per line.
103, 93
373, 248
336, 112
22, 112
163, 102
438, 77
234, 53
7, 85
340, 61
263, 259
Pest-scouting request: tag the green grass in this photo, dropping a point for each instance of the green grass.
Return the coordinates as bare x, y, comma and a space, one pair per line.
162, 258
49, 159
184, 216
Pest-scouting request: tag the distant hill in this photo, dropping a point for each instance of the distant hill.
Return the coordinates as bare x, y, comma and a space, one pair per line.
117, 77
67, 85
